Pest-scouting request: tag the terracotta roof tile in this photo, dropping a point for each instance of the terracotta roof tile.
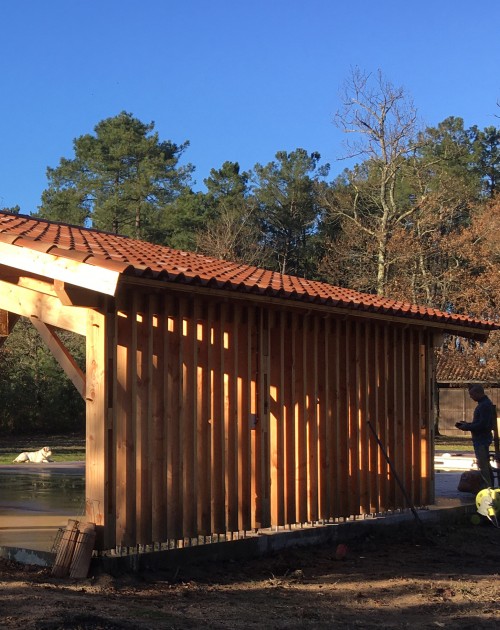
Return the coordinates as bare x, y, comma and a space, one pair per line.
457, 367
146, 260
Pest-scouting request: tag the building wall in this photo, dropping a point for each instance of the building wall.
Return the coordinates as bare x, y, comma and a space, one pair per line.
208, 416
455, 405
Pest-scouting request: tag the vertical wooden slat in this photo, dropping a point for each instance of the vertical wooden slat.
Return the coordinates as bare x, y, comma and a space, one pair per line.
353, 359
126, 361
323, 403
390, 438
374, 412
311, 417
188, 418
143, 420
301, 420
428, 437
385, 404
398, 453
276, 419
255, 418
174, 412
362, 381
244, 416
157, 434
100, 458
231, 420
218, 439
422, 417
203, 413
407, 444
415, 418
289, 398
342, 467
264, 378
333, 415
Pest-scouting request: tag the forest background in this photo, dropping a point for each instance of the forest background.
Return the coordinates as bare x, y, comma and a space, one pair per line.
414, 216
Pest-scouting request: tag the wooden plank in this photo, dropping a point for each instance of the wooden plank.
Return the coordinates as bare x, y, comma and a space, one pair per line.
255, 419
188, 418
398, 453
353, 359
276, 419
204, 407
100, 456
60, 268
406, 444
66, 549
311, 361
85, 541
244, 415
333, 415
374, 411
126, 369
363, 395
427, 434
218, 437
4, 323
143, 418
76, 296
159, 506
323, 404
301, 420
172, 404
424, 442
45, 308
61, 354
415, 418
264, 404
230, 419
385, 406
343, 418
289, 397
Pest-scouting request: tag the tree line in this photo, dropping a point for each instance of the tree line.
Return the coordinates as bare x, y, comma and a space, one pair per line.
413, 216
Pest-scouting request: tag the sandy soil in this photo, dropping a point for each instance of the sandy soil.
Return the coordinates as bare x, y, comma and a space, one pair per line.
450, 580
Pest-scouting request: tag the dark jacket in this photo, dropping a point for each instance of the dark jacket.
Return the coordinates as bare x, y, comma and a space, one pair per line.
482, 422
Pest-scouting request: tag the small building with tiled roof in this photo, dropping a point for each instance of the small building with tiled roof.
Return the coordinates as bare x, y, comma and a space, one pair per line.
225, 398
456, 371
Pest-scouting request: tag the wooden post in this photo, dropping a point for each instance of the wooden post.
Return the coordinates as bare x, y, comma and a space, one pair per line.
100, 454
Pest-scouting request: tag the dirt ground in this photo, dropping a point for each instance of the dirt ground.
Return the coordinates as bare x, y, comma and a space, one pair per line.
448, 580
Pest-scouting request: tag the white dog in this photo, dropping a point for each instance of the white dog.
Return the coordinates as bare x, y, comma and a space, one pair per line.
37, 457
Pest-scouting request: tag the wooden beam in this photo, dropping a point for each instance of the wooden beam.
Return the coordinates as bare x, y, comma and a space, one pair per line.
60, 268
71, 295
45, 308
301, 307
7, 322
61, 354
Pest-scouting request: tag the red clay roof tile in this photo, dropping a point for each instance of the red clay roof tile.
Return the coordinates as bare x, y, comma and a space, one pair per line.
146, 260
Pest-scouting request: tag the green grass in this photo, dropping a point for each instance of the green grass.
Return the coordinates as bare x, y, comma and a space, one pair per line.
447, 444
71, 448
65, 448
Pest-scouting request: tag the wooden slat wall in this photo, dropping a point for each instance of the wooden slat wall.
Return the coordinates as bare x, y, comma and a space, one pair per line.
229, 417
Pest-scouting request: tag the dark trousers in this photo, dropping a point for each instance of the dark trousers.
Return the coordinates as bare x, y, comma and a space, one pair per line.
483, 462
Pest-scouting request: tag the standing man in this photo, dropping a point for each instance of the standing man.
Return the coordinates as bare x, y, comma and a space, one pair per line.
481, 430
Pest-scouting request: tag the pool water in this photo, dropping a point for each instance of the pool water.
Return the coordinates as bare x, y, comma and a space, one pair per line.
41, 491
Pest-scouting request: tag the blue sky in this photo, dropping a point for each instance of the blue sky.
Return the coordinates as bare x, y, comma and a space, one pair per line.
239, 80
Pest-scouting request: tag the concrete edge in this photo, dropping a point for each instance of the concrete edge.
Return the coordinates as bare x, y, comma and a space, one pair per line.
265, 543
28, 556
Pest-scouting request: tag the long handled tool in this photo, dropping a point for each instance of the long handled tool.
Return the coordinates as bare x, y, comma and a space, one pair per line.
397, 478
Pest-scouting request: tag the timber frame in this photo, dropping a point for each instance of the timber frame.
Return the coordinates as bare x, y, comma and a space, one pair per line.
213, 412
